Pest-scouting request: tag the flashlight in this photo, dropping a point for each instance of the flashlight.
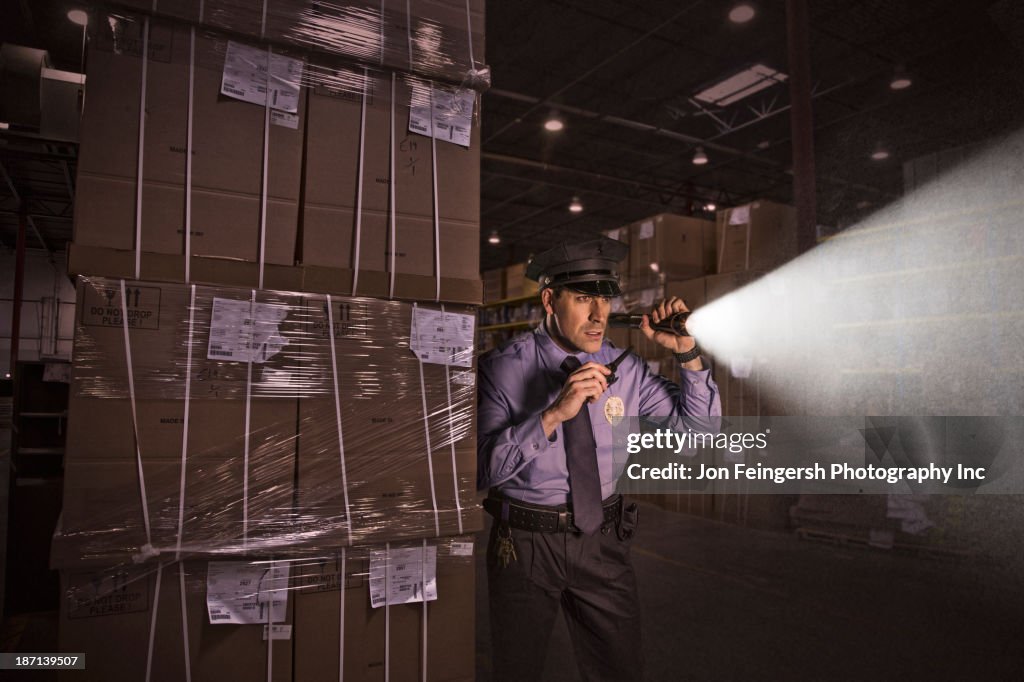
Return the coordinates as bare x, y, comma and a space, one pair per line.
673, 324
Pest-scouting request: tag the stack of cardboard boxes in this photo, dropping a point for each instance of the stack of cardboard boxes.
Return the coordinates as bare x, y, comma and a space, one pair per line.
701, 261
273, 365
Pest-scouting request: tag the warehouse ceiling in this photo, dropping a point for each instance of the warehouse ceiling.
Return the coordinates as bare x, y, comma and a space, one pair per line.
633, 83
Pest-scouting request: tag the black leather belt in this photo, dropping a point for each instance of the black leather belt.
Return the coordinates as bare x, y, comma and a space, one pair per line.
541, 519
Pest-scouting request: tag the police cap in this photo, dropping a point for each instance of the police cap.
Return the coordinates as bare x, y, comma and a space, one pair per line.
588, 267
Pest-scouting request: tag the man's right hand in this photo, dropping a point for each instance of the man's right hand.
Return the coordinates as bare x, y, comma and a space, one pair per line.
584, 385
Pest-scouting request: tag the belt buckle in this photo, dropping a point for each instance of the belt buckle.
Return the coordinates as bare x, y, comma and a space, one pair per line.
563, 520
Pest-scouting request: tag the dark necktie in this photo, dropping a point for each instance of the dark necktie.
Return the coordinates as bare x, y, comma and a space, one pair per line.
581, 459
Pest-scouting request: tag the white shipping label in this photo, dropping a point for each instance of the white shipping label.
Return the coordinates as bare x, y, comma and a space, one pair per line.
245, 77
284, 119
463, 378
281, 631
739, 215
646, 230
453, 115
403, 576
241, 331
442, 338
462, 549
247, 592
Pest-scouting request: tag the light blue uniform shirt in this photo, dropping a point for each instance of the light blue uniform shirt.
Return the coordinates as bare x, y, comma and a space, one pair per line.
522, 378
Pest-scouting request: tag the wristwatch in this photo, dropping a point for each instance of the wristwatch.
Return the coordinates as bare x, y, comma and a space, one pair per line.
691, 354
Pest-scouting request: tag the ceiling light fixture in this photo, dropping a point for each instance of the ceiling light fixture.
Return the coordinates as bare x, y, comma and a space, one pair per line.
900, 79
740, 85
494, 238
742, 13
554, 122
576, 206
77, 16
710, 206
880, 153
699, 157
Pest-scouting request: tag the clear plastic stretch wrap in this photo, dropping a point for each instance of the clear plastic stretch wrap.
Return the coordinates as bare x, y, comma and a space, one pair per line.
211, 421
400, 611
441, 39
207, 158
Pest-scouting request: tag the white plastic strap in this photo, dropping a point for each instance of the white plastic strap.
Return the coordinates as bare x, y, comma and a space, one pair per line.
451, 438
248, 416
392, 209
341, 619
184, 621
266, 161
270, 628
142, 149
387, 612
721, 245
359, 184
408, 31
152, 621
337, 414
437, 217
188, 153
426, 436
469, 36
135, 416
423, 582
746, 254
184, 426
381, 38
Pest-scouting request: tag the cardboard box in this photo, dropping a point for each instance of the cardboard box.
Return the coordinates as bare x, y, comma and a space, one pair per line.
224, 480
622, 235
692, 291
717, 286
227, 153
449, 620
107, 616
516, 283
407, 436
373, 32
342, 207
757, 236
215, 498
404, 423
672, 246
494, 284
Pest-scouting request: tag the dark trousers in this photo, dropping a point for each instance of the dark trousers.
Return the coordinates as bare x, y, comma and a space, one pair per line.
590, 578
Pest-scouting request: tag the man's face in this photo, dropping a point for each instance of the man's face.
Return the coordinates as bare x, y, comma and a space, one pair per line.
578, 320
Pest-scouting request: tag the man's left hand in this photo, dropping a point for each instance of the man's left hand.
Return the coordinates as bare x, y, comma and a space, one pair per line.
661, 311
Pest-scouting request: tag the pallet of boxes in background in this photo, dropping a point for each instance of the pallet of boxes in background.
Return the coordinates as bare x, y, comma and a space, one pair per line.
212, 420
212, 424
277, 247
339, 177
400, 611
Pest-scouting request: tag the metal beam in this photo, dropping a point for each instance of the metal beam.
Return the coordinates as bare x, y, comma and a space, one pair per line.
28, 219
597, 67
801, 124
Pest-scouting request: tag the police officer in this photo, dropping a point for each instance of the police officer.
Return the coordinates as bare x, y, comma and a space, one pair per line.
560, 537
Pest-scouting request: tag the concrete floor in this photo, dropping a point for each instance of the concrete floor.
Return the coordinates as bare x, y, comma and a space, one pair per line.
723, 602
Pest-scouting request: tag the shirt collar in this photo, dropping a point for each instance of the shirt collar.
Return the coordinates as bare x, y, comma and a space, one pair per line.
551, 353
